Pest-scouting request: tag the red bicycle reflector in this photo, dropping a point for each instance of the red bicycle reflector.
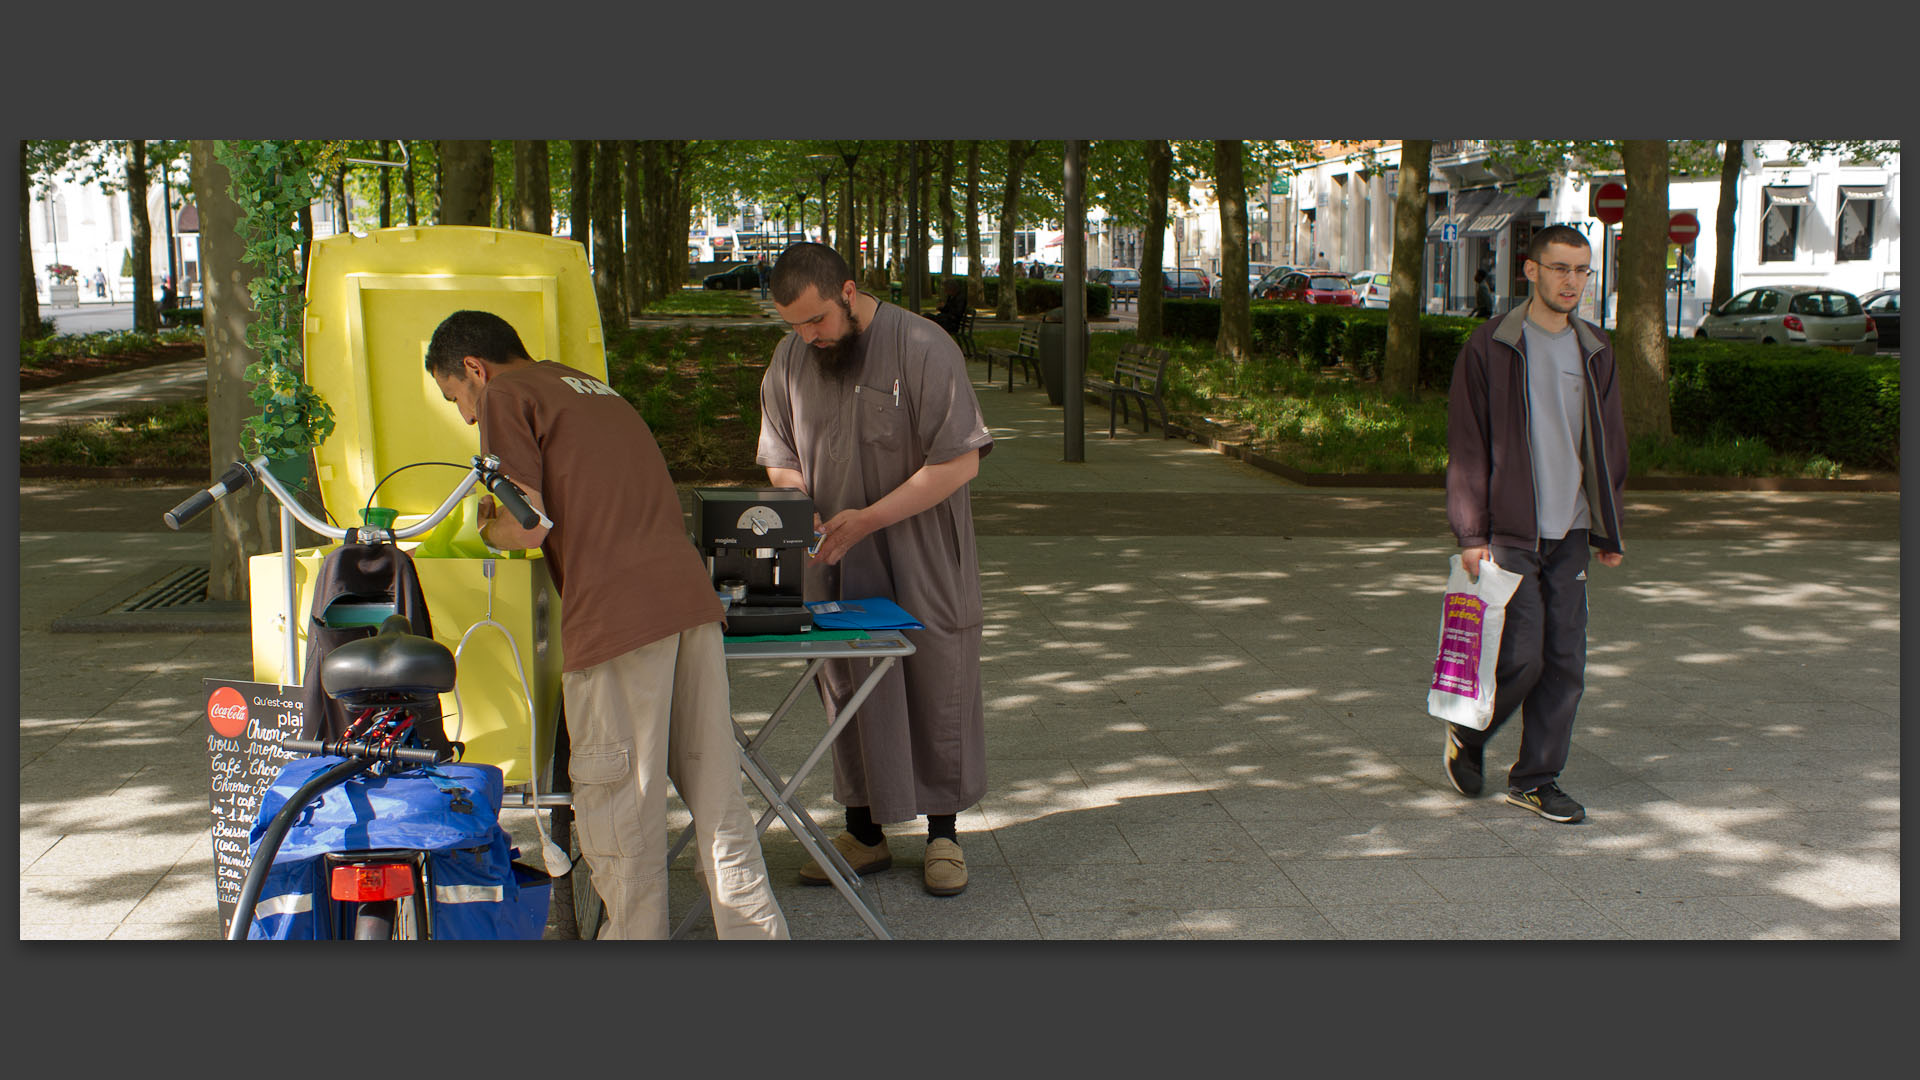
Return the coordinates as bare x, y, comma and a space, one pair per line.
372, 881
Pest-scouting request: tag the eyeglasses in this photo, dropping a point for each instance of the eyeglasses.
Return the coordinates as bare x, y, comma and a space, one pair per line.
1579, 273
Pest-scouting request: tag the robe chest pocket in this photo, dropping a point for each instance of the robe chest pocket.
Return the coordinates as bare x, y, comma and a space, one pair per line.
880, 416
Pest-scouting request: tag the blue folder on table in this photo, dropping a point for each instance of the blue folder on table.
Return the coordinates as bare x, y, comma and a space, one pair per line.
872, 613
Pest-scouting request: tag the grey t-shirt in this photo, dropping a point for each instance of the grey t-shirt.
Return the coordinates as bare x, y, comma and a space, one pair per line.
1557, 404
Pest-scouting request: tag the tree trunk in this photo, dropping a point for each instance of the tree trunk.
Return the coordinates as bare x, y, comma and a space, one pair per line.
466, 177
406, 184
1153, 242
1400, 375
607, 258
146, 316
946, 212
1235, 341
849, 235
243, 523
976, 274
1730, 171
631, 279
386, 185
653, 218
922, 232
1640, 341
580, 206
340, 197
673, 250
910, 269
29, 293
532, 187
1008, 307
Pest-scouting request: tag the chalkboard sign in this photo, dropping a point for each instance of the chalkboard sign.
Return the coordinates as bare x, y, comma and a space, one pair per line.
247, 722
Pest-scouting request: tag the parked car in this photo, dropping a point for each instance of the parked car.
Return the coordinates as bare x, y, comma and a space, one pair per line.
1255, 271
1122, 281
1800, 314
744, 276
1184, 282
1373, 288
1269, 279
1313, 287
1883, 307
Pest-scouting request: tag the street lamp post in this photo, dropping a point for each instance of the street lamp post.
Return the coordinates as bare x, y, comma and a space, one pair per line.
823, 167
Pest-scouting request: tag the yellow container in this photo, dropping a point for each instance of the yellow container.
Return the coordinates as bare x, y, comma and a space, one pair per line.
372, 304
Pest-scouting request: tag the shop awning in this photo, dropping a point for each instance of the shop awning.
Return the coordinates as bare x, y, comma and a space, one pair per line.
1498, 214
1788, 196
1466, 206
1848, 192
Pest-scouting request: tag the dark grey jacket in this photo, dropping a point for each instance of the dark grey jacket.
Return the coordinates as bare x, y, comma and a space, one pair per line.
1490, 494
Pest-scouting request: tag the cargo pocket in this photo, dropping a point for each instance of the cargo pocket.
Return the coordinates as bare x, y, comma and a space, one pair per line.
606, 801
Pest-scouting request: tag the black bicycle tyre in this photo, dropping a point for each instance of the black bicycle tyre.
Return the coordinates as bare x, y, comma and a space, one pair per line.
375, 919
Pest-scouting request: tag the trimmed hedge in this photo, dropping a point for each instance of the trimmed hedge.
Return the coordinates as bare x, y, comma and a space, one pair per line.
1797, 399
1036, 297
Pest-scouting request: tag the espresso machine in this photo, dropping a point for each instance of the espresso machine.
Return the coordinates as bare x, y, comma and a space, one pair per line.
755, 542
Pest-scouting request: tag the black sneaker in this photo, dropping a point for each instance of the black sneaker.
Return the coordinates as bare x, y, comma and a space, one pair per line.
1549, 802
1466, 767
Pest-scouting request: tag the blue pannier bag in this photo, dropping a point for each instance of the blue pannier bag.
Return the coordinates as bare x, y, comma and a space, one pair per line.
451, 812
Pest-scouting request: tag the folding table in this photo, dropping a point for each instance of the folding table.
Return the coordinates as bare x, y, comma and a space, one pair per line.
884, 647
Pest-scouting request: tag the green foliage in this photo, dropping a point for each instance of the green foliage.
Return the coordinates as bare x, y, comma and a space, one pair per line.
172, 434
1797, 400
272, 181
40, 352
1037, 297
714, 303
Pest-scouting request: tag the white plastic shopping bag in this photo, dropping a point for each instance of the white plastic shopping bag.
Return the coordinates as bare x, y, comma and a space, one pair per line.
1470, 622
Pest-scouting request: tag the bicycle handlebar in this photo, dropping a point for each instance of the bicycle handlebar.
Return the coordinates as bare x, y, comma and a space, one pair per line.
484, 470
358, 749
237, 476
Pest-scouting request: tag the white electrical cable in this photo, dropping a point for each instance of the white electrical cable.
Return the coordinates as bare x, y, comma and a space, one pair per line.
557, 861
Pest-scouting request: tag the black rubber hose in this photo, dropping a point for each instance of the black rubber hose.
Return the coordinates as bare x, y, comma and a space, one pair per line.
276, 832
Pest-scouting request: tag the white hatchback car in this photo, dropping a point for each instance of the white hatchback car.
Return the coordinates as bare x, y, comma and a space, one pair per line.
1373, 288
1799, 314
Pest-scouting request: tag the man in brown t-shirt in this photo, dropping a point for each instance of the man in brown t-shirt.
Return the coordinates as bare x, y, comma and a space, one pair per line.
644, 675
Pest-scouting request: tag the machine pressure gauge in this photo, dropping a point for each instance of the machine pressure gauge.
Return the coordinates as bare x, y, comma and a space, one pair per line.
761, 519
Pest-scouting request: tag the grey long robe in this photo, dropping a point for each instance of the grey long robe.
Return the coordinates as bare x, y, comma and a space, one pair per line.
918, 744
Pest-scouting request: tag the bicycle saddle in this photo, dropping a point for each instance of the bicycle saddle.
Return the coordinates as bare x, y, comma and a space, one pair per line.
392, 666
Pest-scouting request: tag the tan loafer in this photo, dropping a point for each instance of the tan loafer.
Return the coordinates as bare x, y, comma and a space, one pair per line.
945, 873
863, 859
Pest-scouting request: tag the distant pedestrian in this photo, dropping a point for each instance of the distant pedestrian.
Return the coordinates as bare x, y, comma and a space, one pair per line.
761, 266
1536, 470
1482, 294
167, 297
99, 283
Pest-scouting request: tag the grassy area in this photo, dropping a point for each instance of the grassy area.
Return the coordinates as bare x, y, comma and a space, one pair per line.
46, 352
714, 303
699, 390
173, 434
1724, 455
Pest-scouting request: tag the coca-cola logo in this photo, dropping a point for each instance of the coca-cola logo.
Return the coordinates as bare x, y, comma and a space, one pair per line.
227, 712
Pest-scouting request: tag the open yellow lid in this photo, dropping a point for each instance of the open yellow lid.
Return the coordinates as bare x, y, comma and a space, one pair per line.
372, 305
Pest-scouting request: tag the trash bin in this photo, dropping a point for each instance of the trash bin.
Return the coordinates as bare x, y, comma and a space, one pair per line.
1053, 353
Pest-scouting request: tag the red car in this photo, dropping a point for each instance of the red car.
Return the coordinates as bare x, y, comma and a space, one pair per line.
1313, 287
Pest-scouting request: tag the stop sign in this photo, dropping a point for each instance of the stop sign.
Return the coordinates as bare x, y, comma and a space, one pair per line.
1682, 228
1610, 203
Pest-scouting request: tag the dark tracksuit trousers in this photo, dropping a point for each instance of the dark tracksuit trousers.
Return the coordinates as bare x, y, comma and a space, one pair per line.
1543, 656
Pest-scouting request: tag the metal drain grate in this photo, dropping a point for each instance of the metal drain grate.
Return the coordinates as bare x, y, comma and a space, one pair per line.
187, 585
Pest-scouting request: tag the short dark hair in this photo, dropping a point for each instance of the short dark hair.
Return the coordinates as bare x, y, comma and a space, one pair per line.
808, 264
1554, 234
472, 333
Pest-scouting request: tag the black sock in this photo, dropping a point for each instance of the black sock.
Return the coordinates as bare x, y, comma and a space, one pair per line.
860, 824
941, 825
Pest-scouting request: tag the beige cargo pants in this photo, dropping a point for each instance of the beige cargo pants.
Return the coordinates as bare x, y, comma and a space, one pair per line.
662, 712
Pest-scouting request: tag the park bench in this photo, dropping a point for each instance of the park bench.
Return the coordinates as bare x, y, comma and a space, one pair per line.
1140, 374
963, 336
1026, 354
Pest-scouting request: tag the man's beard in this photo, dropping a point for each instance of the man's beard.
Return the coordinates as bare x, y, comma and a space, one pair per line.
838, 357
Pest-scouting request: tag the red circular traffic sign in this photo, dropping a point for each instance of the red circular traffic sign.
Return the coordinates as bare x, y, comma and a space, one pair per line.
1683, 227
1610, 203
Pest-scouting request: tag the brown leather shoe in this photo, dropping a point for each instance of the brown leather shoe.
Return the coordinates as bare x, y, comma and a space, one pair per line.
863, 859
945, 873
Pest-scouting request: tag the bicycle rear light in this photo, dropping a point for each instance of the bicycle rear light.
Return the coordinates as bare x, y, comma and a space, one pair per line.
371, 881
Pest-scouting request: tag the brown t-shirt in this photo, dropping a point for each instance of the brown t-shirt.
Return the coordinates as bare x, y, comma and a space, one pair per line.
627, 573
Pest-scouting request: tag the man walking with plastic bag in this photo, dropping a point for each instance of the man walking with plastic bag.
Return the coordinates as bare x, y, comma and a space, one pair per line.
1537, 462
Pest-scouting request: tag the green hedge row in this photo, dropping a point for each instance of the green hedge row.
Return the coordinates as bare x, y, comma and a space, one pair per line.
1031, 297
1797, 400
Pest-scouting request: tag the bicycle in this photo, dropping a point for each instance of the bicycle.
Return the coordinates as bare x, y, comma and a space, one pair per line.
391, 678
